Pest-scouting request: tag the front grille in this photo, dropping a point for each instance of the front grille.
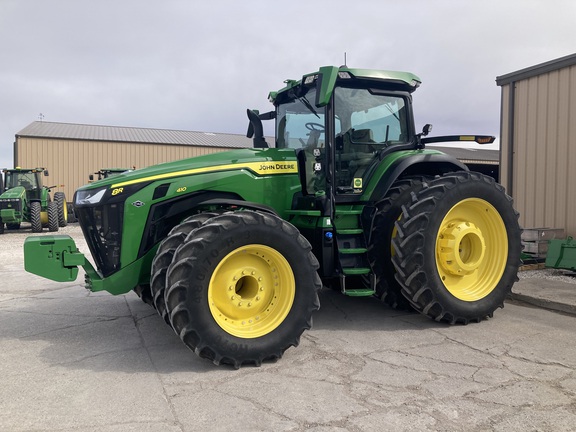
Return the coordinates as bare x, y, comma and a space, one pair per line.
11, 204
102, 228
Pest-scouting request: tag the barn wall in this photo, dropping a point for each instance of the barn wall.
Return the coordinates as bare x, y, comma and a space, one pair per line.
538, 148
69, 162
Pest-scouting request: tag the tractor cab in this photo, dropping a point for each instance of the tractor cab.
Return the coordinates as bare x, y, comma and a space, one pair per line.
362, 123
341, 122
29, 179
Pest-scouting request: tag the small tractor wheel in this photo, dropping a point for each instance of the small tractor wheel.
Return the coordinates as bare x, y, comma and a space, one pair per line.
458, 248
164, 255
1, 227
380, 250
13, 226
242, 288
36, 216
60, 200
52, 216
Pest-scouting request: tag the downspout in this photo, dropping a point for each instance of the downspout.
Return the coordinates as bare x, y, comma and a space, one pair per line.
511, 143
15, 153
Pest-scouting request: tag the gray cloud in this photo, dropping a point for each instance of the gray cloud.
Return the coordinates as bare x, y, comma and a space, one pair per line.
198, 65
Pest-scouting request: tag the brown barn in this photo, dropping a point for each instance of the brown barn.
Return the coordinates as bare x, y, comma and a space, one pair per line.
538, 143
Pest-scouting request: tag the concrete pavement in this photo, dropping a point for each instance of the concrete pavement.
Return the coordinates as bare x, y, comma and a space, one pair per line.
71, 360
547, 288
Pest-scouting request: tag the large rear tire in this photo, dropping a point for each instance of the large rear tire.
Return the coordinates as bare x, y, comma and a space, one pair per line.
36, 216
164, 256
242, 288
60, 200
13, 226
458, 248
380, 250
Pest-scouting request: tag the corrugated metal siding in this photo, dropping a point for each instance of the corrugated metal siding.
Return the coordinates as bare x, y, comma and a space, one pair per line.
544, 158
70, 162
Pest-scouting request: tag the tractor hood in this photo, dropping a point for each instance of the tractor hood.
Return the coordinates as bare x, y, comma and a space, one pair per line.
259, 161
14, 193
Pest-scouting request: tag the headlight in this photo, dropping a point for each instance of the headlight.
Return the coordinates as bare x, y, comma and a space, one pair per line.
94, 196
310, 79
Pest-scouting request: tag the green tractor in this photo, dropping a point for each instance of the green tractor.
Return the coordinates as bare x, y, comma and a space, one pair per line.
23, 198
232, 248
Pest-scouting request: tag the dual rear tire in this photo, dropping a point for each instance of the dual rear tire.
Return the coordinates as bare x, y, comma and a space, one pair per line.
238, 288
457, 248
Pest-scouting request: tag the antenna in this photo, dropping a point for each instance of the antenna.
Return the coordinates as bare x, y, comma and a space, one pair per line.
345, 64
40, 116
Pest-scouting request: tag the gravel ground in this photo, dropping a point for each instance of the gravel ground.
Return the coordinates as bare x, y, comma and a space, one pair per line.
551, 274
14, 239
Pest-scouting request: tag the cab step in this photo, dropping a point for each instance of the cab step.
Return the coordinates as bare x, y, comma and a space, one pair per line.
363, 291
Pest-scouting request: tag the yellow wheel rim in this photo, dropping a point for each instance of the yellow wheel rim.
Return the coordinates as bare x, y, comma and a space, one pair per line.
471, 249
251, 291
44, 218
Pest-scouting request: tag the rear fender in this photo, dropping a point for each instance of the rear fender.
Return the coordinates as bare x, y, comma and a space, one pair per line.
427, 165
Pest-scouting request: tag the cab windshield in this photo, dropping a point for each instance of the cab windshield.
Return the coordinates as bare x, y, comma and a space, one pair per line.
300, 124
26, 180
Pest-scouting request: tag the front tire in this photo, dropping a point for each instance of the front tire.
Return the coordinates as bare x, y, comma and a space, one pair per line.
242, 288
143, 291
458, 248
62, 205
52, 216
36, 216
164, 256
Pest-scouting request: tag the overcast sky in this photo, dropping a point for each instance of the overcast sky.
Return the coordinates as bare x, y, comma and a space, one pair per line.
197, 65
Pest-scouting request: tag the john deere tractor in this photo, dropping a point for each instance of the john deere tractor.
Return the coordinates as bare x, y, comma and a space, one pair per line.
108, 172
232, 248
23, 198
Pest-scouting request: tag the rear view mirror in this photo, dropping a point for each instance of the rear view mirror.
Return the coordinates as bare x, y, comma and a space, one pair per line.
426, 129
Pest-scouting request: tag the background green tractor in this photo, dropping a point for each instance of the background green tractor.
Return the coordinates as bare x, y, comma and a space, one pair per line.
108, 172
23, 198
231, 248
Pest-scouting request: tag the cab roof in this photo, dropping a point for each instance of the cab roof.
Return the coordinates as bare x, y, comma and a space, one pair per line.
330, 75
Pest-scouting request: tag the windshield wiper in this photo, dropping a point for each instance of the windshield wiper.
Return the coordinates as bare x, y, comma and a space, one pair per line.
308, 105
394, 113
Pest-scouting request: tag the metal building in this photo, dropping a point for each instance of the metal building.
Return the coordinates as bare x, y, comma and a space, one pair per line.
71, 152
538, 143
